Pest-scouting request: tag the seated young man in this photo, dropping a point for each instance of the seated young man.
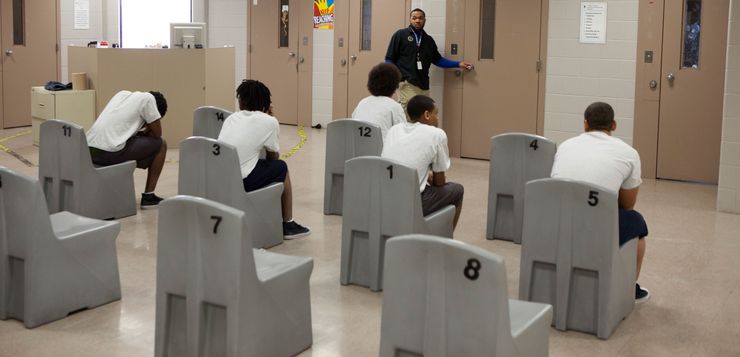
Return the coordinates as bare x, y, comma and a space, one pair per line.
421, 145
115, 136
250, 130
379, 108
598, 158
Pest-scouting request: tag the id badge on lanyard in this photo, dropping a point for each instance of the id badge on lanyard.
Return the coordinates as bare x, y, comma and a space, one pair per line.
418, 48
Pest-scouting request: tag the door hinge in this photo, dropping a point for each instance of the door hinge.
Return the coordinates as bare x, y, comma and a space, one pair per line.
57, 47
249, 49
539, 65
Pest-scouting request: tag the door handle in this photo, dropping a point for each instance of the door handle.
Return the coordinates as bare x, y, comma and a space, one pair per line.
353, 58
291, 54
458, 73
343, 62
670, 77
653, 84
8, 52
301, 59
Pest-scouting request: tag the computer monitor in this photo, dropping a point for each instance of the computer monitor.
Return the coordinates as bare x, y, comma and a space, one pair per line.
188, 35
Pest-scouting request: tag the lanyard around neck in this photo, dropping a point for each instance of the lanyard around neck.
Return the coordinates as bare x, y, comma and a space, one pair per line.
418, 38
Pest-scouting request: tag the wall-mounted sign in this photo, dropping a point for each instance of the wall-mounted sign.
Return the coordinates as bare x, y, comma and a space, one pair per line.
323, 14
593, 22
81, 14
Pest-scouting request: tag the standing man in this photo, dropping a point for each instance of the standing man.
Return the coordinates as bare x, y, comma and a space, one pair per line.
116, 137
413, 51
598, 158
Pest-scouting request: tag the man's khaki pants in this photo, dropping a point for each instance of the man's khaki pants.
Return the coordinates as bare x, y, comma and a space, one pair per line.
406, 91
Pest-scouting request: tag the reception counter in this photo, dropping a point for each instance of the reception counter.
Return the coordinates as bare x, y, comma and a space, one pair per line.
188, 78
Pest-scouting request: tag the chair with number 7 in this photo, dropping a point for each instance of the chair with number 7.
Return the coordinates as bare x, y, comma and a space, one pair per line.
515, 159
346, 139
448, 298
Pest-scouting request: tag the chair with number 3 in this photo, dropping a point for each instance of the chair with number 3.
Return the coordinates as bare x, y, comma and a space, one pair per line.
448, 298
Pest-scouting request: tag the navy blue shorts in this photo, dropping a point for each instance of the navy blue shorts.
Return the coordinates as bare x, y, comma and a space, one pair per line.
631, 225
265, 173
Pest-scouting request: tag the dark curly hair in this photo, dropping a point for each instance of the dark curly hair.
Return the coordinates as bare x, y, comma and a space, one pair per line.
161, 103
253, 95
383, 80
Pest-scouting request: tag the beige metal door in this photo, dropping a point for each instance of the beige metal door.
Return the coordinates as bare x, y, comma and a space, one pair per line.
28, 39
362, 31
280, 55
501, 38
691, 96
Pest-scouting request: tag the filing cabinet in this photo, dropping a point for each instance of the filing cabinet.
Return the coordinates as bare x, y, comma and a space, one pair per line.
74, 106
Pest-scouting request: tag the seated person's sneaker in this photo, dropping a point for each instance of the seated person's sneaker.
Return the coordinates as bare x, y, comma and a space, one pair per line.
641, 295
292, 230
150, 200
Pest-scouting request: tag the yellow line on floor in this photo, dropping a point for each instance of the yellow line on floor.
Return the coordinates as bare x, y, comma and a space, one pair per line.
302, 135
15, 136
16, 155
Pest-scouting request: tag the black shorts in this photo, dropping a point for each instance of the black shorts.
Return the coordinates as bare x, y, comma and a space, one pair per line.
631, 225
435, 197
141, 148
265, 173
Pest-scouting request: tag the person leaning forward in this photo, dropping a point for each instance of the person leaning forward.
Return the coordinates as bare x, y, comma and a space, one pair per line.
413, 51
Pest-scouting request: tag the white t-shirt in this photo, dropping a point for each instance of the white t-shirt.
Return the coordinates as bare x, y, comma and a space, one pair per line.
419, 146
382, 111
600, 159
122, 117
249, 132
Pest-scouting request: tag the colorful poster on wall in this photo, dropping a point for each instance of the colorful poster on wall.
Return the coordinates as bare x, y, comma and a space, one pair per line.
323, 14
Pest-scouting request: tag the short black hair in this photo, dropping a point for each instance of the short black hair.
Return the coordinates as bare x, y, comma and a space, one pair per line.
383, 80
599, 116
253, 95
419, 10
161, 103
417, 106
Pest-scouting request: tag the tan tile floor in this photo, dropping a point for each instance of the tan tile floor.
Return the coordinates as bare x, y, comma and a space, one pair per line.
691, 268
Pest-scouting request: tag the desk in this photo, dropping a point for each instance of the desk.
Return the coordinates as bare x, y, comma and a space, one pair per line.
188, 78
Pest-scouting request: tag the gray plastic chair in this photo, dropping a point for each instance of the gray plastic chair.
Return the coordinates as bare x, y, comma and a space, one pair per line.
447, 298
73, 184
207, 121
210, 169
346, 139
381, 200
51, 266
216, 296
571, 256
515, 159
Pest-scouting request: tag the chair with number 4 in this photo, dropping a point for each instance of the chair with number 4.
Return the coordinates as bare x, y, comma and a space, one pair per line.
515, 159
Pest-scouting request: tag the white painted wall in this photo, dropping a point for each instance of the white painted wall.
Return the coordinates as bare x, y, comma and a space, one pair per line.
323, 76
227, 26
103, 27
579, 74
728, 193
